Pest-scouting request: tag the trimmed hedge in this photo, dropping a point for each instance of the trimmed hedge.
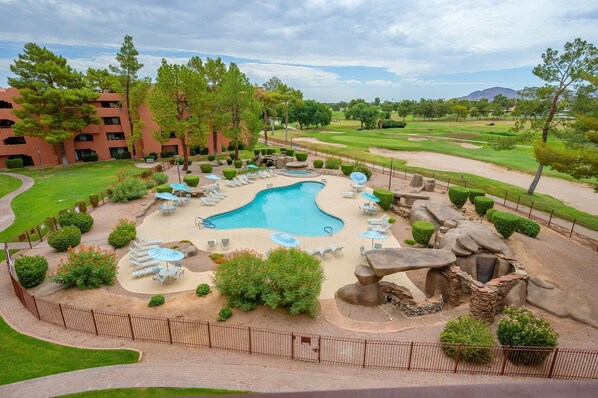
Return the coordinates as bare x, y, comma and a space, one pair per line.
505, 223
318, 163
458, 195
301, 156
473, 334
202, 289
93, 157
164, 188
474, 193
270, 151
390, 124
211, 158
229, 174
489, 214
361, 168
256, 152
192, 181
229, 161
528, 227
386, 197
156, 301
205, 168
82, 221
31, 270
15, 163
64, 238
289, 151
347, 168
332, 163
238, 164
482, 204
422, 232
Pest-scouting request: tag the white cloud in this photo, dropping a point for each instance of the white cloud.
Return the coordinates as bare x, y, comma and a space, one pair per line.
382, 83
289, 73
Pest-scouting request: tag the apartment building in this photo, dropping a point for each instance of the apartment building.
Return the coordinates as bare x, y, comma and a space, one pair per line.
106, 139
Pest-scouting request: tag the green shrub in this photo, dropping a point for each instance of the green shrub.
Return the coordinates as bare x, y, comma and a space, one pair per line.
122, 234
229, 161
390, 124
156, 301
211, 158
519, 327
166, 154
202, 289
361, 168
256, 152
263, 151
205, 168
422, 232
505, 223
386, 197
474, 336
224, 314
64, 238
528, 227
474, 193
489, 214
483, 204
332, 163
347, 168
270, 151
82, 206
192, 181
410, 242
128, 189
124, 155
458, 195
94, 200
164, 188
232, 155
87, 268
149, 183
318, 163
83, 221
290, 152
92, 157
15, 163
391, 220
238, 164
31, 270
160, 178
222, 148
301, 156
229, 174
153, 155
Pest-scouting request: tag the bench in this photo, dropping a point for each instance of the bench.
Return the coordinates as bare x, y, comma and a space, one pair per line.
409, 197
149, 160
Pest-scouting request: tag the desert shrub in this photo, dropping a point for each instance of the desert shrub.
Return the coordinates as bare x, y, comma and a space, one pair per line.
290, 152
422, 232
192, 181
205, 168
160, 178
164, 188
347, 168
156, 301
229, 161
166, 154
505, 223
239, 279
218, 258
122, 234
528, 227
211, 158
82, 206
301, 156
224, 314
519, 327
483, 204
386, 197
15, 163
389, 124
94, 200
202, 289
149, 183
64, 238
83, 221
238, 164
332, 163
229, 174
31, 270
87, 268
361, 168
128, 189
410, 242
458, 195
474, 336
92, 157
489, 214
391, 220
159, 168
474, 193
318, 163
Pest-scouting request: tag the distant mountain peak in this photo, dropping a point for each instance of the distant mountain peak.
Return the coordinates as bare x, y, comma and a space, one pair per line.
490, 93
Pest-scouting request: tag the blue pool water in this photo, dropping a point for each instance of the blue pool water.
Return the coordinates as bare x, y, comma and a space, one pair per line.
298, 172
290, 209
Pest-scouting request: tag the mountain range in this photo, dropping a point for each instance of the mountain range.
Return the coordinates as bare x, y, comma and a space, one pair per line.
490, 93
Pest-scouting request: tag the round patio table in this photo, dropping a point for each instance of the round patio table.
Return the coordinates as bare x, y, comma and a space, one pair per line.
167, 271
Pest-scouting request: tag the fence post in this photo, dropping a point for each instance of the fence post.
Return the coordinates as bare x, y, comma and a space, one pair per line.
169, 330
504, 360
28, 239
505, 201
319, 348
572, 226
95, 325
62, 314
530, 210
550, 219
209, 336
131, 325
457, 357
410, 356
556, 351
517, 207
465, 183
292, 345
249, 330
448, 184
39, 318
39, 232
365, 350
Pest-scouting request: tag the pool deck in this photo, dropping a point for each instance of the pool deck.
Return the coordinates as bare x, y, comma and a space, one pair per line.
338, 269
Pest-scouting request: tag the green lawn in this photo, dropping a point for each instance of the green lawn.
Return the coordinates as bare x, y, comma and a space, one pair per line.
151, 392
8, 184
23, 357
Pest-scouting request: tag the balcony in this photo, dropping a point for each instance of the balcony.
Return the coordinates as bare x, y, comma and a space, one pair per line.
6, 123
115, 136
14, 141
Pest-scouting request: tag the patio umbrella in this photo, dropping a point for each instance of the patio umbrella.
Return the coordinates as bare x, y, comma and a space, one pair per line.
165, 254
213, 177
358, 177
166, 196
370, 197
252, 166
180, 187
371, 234
284, 239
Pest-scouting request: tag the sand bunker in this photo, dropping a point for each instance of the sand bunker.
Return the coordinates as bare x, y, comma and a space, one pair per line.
577, 195
316, 141
469, 146
417, 139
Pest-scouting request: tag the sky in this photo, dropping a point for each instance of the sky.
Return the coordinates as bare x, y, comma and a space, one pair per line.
332, 50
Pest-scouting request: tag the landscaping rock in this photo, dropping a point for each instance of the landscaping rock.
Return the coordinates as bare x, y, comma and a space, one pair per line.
458, 251
465, 242
443, 212
366, 295
391, 260
517, 295
420, 213
365, 275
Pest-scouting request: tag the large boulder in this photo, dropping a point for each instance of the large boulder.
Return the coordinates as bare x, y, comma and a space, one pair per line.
358, 294
517, 295
419, 212
392, 260
443, 211
365, 275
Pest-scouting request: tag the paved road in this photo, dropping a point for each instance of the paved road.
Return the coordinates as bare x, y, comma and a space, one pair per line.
7, 217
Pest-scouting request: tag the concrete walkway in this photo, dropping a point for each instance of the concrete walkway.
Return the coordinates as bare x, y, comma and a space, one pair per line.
7, 217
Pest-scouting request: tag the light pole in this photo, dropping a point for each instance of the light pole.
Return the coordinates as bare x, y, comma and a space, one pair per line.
39, 156
286, 122
178, 171
390, 176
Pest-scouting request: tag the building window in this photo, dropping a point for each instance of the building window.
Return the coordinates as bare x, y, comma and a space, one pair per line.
111, 121
79, 153
6, 123
27, 160
109, 104
118, 153
115, 136
14, 141
84, 137
173, 135
5, 105
171, 148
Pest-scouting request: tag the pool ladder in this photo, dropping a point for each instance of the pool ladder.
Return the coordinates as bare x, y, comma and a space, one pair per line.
328, 230
203, 223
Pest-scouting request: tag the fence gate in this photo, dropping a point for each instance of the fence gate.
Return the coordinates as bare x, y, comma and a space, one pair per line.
306, 347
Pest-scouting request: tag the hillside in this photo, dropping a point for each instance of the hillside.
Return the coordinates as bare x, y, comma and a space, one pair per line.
490, 93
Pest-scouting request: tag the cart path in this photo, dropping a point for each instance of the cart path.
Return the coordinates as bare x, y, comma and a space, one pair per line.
7, 216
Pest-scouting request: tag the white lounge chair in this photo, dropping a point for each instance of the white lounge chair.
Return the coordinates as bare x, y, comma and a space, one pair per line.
348, 194
239, 182
206, 202
312, 252
225, 242
146, 271
381, 228
146, 247
211, 244
379, 221
147, 242
245, 179
323, 251
377, 245
213, 197
149, 262
337, 250
178, 274
229, 183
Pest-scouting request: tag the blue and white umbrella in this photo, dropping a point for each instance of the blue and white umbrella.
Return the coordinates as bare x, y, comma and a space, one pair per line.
213, 177
372, 234
284, 239
358, 177
179, 187
165, 254
252, 166
166, 196
370, 197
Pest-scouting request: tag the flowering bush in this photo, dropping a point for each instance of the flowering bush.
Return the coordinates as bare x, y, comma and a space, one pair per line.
473, 334
87, 268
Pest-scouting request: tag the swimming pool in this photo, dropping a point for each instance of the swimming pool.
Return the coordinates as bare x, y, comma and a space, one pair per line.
298, 172
290, 209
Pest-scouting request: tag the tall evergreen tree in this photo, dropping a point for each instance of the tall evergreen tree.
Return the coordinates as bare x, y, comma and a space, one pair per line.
55, 99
